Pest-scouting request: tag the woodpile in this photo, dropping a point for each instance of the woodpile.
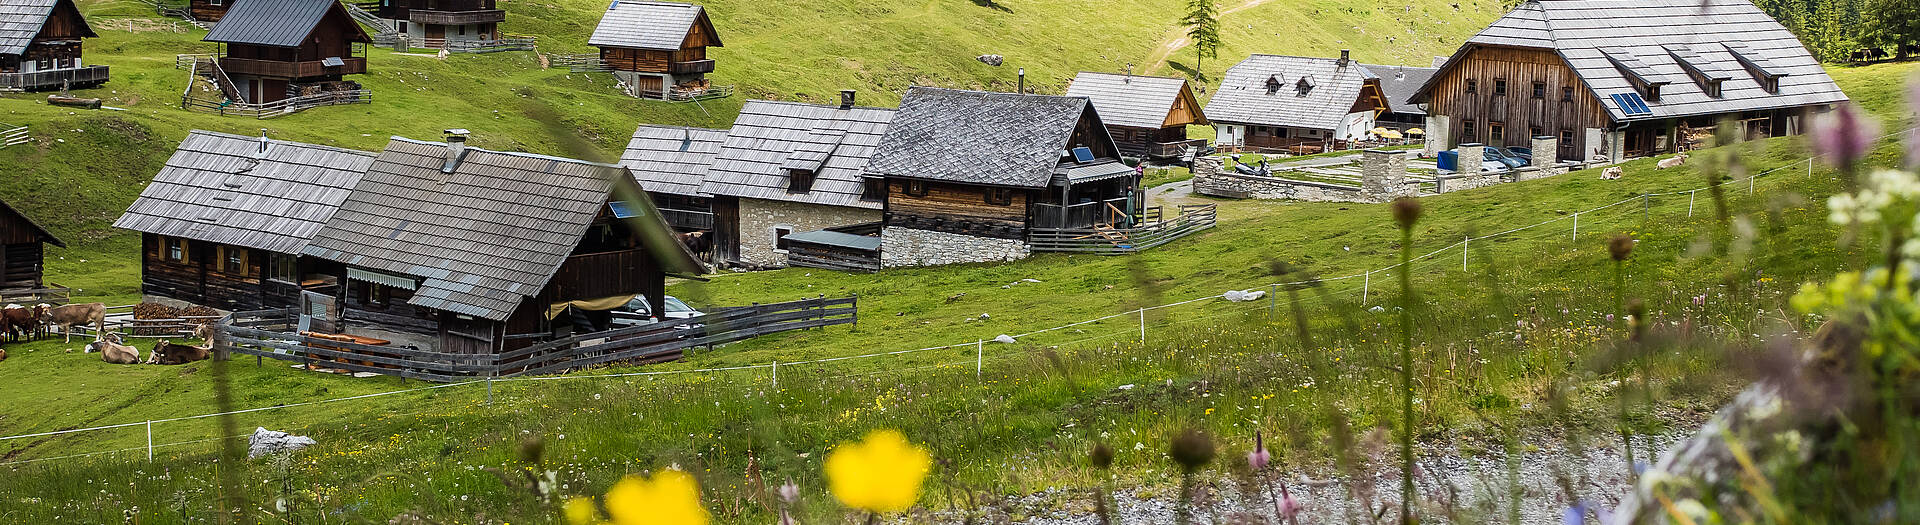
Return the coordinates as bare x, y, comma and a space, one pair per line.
198, 311
155, 311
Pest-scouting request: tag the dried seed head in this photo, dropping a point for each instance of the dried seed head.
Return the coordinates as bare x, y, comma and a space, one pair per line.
1192, 449
532, 449
1406, 211
1636, 319
1620, 247
1102, 456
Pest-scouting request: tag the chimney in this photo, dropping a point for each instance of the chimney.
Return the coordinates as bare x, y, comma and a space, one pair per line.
846, 99
262, 152
456, 149
1343, 58
1129, 73
1023, 81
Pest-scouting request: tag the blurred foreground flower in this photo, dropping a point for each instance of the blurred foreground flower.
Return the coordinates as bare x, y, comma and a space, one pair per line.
880, 474
671, 497
1844, 135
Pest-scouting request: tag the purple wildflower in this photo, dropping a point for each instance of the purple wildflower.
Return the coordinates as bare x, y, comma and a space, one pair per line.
1259, 457
1287, 507
1700, 300
1844, 135
1575, 515
789, 491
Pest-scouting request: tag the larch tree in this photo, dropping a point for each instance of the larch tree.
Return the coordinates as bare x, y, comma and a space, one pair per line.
1203, 28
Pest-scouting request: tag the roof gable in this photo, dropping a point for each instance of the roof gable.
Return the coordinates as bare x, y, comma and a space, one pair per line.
21, 218
1399, 83
21, 21
272, 195
1299, 92
281, 23
770, 138
978, 137
652, 25
1134, 101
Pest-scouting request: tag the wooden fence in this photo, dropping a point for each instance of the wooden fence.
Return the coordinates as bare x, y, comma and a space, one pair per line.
271, 334
278, 108
52, 294
1115, 241
13, 136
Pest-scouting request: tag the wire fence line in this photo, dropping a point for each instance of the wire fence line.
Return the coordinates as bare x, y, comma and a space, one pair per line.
1464, 245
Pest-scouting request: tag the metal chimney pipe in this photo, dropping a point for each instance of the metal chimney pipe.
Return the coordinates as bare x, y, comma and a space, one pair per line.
1023, 81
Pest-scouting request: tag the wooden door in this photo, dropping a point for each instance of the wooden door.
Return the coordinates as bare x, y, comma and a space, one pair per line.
436, 31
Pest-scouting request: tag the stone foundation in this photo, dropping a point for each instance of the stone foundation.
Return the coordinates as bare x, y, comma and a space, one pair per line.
759, 219
911, 247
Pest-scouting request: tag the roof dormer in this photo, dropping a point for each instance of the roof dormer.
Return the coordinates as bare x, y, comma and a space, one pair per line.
1763, 70
1638, 73
1698, 69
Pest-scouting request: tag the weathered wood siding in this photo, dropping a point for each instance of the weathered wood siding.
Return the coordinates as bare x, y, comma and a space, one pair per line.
648, 60
1517, 111
958, 208
207, 11
200, 279
1134, 142
20, 265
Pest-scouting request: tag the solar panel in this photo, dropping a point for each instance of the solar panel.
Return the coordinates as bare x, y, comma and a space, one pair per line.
1631, 104
1083, 154
623, 209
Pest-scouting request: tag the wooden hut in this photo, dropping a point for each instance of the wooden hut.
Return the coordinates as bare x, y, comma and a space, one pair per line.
657, 49
223, 224
458, 249
790, 167
1147, 116
433, 23
1616, 79
40, 46
22, 250
208, 11
1298, 104
671, 163
283, 48
969, 174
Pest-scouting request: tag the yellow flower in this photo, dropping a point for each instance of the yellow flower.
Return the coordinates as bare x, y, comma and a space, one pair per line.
671, 497
881, 474
580, 512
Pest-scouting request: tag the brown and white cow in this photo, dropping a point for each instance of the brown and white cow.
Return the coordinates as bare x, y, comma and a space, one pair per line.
17, 321
67, 316
112, 351
170, 353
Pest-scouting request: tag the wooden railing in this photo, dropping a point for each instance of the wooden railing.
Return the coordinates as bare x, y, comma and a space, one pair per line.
78, 76
52, 294
270, 334
1175, 149
578, 62
691, 67
688, 219
511, 43
284, 69
1084, 215
277, 108
456, 17
1115, 241
13, 136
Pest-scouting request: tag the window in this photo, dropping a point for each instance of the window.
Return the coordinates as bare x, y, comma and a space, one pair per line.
216, 2
1773, 84
917, 188
999, 196
799, 181
374, 294
873, 189
1653, 92
284, 268
1539, 89
1467, 131
1566, 140
1262, 131
1713, 88
1566, 94
780, 234
1496, 132
1473, 86
462, 31
1535, 131
1499, 87
233, 260
174, 249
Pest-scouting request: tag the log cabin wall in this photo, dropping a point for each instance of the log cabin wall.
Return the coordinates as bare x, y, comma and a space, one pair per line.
209, 10
1135, 142
1516, 113
958, 208
214, 275
386, 307
20, 265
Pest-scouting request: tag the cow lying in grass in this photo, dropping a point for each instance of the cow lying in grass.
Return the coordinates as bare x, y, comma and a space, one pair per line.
112, 351
170, 353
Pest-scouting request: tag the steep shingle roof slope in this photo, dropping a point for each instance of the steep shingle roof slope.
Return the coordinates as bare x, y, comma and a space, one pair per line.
672, 159
224, 189
482, 238
45, 235
1245, 97
1399, 83
1653, 36
277, 23
21, 20
978, 137
1128, 100
770, 137
645, 25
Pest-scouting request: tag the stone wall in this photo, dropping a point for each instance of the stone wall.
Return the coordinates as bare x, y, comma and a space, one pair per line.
1383, 175
1439, 134
911, 247
760, 218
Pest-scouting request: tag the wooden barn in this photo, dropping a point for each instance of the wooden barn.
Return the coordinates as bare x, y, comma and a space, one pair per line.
657, 49
969, 174
22, 249
671, 163
223, 224
458, 249
434, 23
1399, 83
40, 46
208, 11
1147, 116
1298, 104
790, 167
279, 49
1617, 79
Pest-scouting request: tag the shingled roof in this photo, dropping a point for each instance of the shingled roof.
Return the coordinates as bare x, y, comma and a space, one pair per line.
21, 20
487, 236
1655, 40
1265, 90
272, 195
1399, 83
1132, 101
770, 137
978, 137
45, 236
278, 23
672, 159
649, 25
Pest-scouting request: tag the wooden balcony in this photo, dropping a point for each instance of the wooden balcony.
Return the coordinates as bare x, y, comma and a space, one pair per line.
455, 18
74, 77
692, 66
291, 70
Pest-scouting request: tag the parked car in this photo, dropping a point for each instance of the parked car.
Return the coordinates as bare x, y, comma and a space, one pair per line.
1493, 165
1524, 154
638, 307
1496, 154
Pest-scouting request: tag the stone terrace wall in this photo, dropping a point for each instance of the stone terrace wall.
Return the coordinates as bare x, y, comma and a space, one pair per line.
912, 247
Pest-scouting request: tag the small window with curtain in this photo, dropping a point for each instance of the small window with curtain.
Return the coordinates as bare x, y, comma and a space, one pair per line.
174, 249
917, 188
233, 260
999, 196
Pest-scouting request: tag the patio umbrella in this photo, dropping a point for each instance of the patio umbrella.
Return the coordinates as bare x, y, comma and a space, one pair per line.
1381, 130
1390, 135
1416, 131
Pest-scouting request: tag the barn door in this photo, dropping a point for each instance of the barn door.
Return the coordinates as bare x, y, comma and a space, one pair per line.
318, 313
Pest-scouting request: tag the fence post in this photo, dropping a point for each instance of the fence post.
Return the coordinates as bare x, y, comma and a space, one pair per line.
1646, 206
1463, 251
1690, 196
489, 389
776, 375
1750, 183
856, 310
1272, 291
979, 358
1366, 285
1143, 327
1576, 226
149, 440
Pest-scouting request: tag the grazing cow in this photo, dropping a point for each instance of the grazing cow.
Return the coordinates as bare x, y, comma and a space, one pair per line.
3, 355
67, 316
1673, 162
112, 351
169, 353
1612, 173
